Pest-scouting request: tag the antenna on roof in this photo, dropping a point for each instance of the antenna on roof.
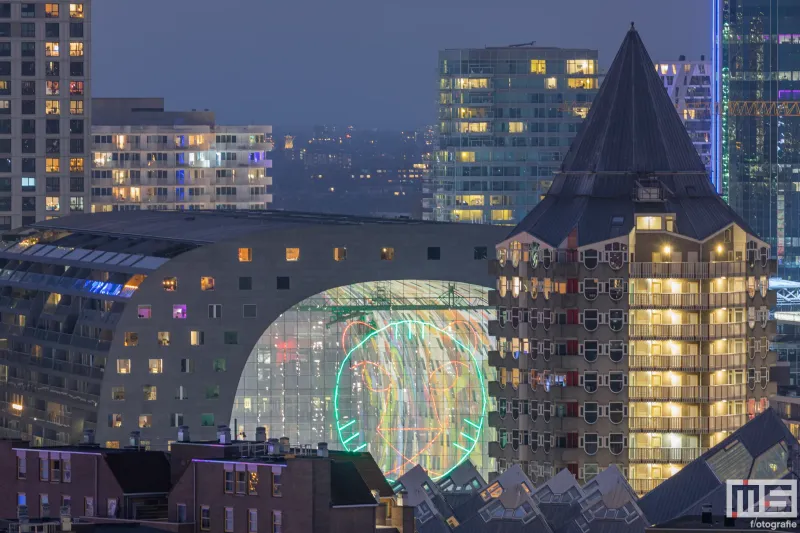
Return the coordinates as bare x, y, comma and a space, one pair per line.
532, 43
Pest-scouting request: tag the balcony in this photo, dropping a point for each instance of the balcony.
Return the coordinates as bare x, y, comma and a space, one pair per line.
726, 422
667, 393
726, 392
686, 331
686, 301
674, 424
688, 270
727, 361
641, 486
668, 362
664, 455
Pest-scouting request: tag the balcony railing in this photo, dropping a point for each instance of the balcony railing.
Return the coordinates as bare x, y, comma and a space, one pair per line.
687, 393
726, 422
641, 486
686, 301
664, 455
686, 331
679, 424
687, 270
687, 362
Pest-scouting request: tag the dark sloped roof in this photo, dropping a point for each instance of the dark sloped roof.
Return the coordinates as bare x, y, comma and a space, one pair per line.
696, 484
632, 132
139, 471
348, 487
369, 470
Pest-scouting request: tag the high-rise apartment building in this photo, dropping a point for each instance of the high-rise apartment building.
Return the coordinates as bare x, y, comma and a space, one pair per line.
506, 118
633, 304
147, 158
757, 124
45, 109
688, 84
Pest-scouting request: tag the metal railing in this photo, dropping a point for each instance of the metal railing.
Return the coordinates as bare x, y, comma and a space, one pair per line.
687, 362
664, 455
687, 393
686, 424
688, 270
687, 301
641, 486
687, 331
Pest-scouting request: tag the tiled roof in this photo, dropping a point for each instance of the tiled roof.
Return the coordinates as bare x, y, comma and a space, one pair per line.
632, 133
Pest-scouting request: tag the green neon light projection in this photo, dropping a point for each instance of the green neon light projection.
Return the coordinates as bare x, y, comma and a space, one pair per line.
383, 402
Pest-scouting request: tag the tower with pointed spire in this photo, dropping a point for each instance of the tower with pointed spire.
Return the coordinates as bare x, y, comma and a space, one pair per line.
633, 318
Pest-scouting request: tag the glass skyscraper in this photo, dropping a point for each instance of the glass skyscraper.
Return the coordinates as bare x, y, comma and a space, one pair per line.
757, 125
506, 118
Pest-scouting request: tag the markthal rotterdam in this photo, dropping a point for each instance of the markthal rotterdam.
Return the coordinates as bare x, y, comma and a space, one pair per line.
633, 324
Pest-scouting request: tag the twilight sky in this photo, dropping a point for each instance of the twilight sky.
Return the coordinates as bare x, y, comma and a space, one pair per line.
371, 63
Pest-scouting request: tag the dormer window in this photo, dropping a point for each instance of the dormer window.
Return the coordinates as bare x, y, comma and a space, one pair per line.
648, 223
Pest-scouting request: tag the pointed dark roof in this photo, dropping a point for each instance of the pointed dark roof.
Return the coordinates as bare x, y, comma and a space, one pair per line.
632, 132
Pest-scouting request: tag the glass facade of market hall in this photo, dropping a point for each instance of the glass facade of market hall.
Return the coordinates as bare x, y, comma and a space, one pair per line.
507, 117
758, 162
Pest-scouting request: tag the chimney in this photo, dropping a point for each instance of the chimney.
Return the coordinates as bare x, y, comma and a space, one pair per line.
88, 436
261, 434
224, 434
322, 449
702, 57
681, 58
284, 444
183, 434
135, 441
273, 447
705, 514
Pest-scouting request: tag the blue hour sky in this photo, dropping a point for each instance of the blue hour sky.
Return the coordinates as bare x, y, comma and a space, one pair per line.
371, 63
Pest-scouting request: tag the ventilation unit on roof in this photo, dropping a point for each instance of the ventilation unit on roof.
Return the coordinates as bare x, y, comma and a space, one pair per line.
649, 190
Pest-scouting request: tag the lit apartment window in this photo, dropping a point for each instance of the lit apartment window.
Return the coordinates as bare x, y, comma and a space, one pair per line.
112, 444
582, 83
115, 420
163, 338
551, 83
154, 366
76, 49
52, 88
207, 419
76, 11
145, 421
339, 254
205, 518
123, 366
648, 223
51, 11
170, 284
196, 338
52, 203
245, 255
52, 164
76, 107
52, 107
51, 49
206, 283
252, 481
145, 311
179, 311
131, 338
387, 254
76, 164
516, 127
538, 66
150, 392
293, 254
76, 88
118, 393
580, 66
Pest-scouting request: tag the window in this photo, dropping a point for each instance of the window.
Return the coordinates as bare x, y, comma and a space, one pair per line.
387, 254
231, 337
590, 381
22, 466
245, 255
52, 107
27, 29
205, 518
186, 366
648, 223
538, 66
75, 203
150, 393
170, 284
283, 283
51, 88
276, 485
581, 66
144, 312
145, 421
163, 338
480, 253
249, 310
115, 420
76, 108
66, 501
277, 522
229, 520
551, 83
76, 49
207, 419
51, 11
293, 254
590, 412
252, 521
207, 284
51, 49
118, 393
180, 393
245, 283
212, 392
76, 11
123, 366
28, 49
252, 481
228, 484
51, 68
175, 420
76, 68
196, 338
44, 505
52, 165
434, 253
215, 311
75, 89
241, 482
131, 338
88, 506
76, 30
590, 443
154, 366
179, 311
339, 254
28, 184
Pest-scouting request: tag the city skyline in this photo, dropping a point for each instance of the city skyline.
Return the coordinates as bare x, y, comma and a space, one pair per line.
346, 84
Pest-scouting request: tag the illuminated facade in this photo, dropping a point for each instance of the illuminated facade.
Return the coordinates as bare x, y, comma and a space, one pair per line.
146, 158
312, 326
688, 84
633, 304
507, 116
758, 159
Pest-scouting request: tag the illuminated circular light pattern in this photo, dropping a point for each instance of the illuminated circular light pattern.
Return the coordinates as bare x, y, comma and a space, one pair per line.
411, 393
